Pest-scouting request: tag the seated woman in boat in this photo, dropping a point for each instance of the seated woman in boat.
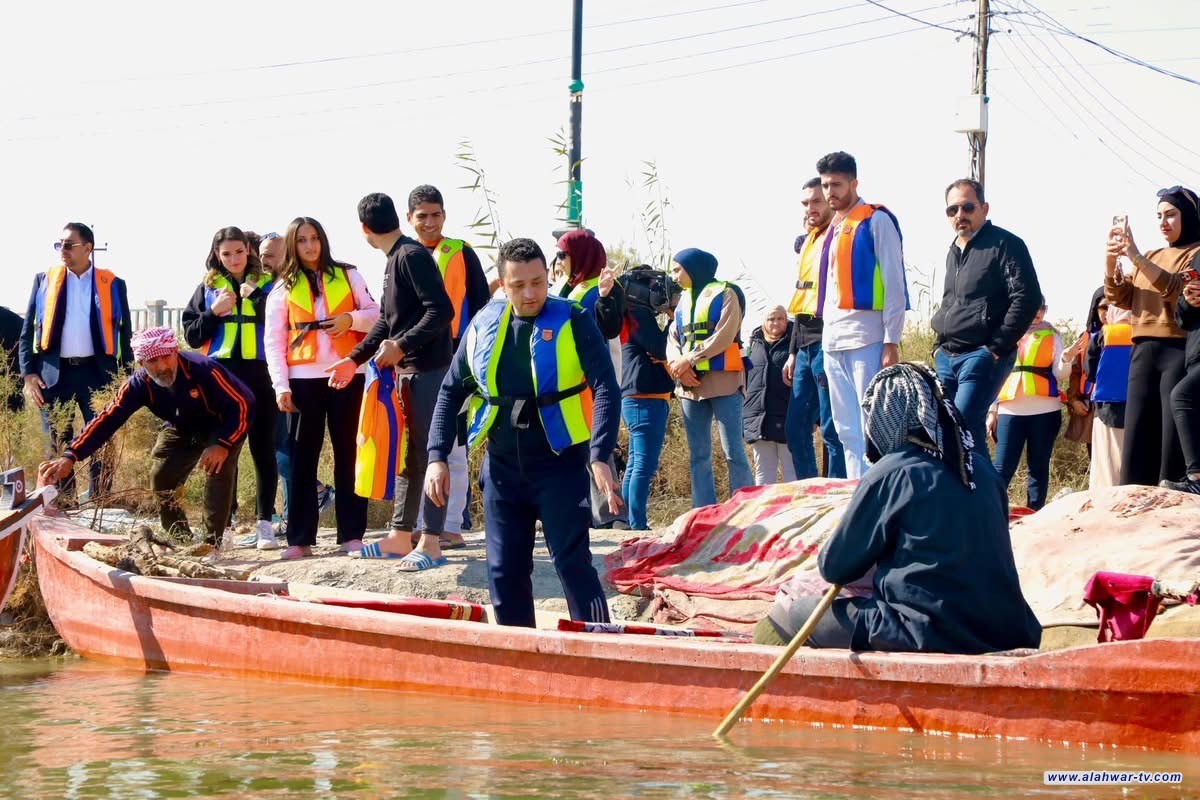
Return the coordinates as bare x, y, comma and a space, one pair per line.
931, 518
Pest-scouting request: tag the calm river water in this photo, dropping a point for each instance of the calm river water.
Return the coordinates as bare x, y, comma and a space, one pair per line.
75, 729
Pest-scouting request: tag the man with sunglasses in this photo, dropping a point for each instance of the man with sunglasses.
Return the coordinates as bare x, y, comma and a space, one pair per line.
74, 339
991, 296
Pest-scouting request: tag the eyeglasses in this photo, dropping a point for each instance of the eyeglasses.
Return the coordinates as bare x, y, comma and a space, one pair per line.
967, 208
266, 237
60, 246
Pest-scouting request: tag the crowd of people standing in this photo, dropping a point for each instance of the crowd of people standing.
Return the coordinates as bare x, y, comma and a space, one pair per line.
289, 347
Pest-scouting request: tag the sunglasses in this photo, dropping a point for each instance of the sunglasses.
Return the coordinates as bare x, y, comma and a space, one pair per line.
266, 237
60, 246
559, 256
1188, 193
967, 208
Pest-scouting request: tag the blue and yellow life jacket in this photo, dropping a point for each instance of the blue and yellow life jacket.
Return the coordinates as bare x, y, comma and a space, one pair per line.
586, 293
695, 324
242, 322
1112, 371
561, 391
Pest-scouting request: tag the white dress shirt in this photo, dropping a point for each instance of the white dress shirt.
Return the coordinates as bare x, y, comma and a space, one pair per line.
76, 339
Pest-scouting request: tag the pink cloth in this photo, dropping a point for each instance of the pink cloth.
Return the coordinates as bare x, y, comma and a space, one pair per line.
154, 342
1125, 604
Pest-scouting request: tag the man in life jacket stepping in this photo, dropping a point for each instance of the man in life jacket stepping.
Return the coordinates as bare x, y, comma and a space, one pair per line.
74, 339
544, 396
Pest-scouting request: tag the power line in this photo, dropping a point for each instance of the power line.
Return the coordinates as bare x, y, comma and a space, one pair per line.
250, 120
1063, 30
915, 19
1067, 106
1099, 102
416, 50
503, 67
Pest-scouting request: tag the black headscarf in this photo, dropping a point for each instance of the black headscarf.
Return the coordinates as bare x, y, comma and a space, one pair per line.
1093, 317
906, 404
1189, 214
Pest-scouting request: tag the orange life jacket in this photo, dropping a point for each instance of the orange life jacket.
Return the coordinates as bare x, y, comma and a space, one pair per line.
339, 299
50, 303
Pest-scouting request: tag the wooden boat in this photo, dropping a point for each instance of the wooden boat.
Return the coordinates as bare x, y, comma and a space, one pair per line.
14, 522
1143, 694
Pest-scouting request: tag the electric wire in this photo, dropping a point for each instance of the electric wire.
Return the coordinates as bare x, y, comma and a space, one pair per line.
915, 19
1167, 169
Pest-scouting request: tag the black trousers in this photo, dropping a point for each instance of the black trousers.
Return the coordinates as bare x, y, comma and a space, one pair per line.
516, 494
1152, 452
1185, 403
262, 435
317, 403
418, 394
175, 456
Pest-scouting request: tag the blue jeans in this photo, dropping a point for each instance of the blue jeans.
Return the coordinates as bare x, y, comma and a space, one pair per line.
646, 419
849, 372
1035, 435
697, 424
972, 380
810, 400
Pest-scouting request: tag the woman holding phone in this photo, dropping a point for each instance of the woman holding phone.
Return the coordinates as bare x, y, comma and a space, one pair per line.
318, 310
1152, 452
224, 320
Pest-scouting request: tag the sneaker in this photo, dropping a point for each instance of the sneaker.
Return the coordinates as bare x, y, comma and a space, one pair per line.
228, 541
266, 536
247, 541
281, 529
324, 498
352, 546
1185, 485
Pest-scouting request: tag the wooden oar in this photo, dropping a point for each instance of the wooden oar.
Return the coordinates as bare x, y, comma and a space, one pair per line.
797, 642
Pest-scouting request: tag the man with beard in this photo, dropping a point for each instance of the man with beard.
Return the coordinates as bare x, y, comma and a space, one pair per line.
208, 414
862, 297
991, 297
805, 367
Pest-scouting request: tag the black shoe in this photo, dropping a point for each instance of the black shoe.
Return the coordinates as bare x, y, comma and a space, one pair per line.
1185, 485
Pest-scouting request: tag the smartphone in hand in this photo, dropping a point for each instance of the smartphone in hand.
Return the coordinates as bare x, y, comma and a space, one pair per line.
1189, 275
1120, 222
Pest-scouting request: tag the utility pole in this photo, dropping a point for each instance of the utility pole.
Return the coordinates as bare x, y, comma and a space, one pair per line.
977, 137
575, 155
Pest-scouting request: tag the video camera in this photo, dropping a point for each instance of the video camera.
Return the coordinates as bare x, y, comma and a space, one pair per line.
650, 288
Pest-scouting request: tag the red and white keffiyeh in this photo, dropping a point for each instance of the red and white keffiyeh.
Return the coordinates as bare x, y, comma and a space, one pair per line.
154, 342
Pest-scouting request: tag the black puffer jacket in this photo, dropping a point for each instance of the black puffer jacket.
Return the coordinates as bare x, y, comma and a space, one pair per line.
765, 412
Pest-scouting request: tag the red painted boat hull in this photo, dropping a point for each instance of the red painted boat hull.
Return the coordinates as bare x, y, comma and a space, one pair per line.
1142, 694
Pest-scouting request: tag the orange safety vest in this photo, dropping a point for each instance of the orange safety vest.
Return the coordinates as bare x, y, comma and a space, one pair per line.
1033, 374
105, 299
339, 299
449, 256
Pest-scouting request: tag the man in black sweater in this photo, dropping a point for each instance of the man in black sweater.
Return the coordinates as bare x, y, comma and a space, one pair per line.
412, 335
549, 413
990, 298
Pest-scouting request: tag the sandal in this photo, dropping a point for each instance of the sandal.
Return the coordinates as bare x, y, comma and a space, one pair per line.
417, 561
373, 551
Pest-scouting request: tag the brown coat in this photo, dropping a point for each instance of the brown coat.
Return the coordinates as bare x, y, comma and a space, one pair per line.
1152, 291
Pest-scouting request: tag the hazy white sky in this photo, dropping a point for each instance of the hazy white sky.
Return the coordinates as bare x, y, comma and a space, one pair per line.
158, 123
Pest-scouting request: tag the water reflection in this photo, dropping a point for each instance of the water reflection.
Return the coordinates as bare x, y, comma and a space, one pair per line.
81, 730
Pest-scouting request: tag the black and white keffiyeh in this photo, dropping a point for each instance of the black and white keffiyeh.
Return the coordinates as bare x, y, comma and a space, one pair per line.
906, 403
